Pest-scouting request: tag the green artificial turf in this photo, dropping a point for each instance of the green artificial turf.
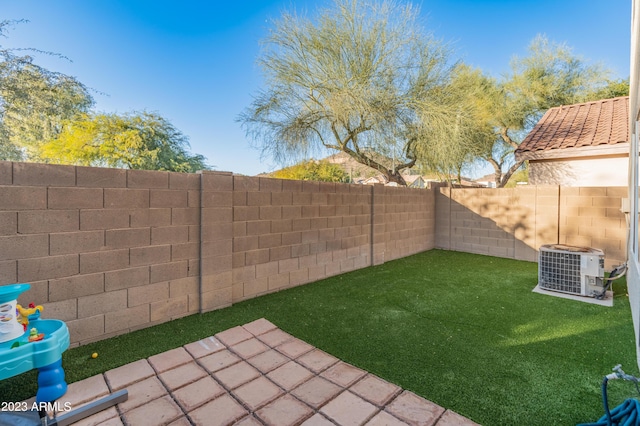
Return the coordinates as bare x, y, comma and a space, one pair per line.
462, 330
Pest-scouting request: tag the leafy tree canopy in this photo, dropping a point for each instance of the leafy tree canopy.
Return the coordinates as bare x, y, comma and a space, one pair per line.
364, 79
47, 116
139, 140
33, 101
322, 170
550, 75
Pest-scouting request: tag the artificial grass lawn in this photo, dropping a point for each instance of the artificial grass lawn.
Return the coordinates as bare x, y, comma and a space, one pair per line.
462, 330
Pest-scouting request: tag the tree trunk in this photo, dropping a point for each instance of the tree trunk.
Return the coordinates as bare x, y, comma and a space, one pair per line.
395, 177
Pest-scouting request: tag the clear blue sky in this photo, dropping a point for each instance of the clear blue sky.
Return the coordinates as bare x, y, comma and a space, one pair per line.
194, 62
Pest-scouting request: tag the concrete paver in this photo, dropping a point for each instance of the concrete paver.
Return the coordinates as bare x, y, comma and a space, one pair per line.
249, 348
375, 390
290, 375
198, 393
121, 377
253, 375
317, 360
317, 391
221, 411
349, 409
284, 411
183, 375
204, 347
343, 374
268, 361
170, 359
257, 393
414, 410
219, 360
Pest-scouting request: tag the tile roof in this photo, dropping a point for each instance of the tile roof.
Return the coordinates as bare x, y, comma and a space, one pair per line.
603, 122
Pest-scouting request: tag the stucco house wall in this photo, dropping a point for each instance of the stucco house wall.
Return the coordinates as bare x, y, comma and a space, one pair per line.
593, 171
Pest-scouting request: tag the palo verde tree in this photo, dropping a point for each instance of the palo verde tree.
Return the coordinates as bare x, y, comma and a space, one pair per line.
33, 101
551, 75
139, 140
364, 79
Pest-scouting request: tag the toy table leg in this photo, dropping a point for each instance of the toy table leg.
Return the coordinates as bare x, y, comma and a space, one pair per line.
51, 384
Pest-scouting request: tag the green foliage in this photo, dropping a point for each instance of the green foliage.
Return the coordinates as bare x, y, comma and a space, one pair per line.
550, 75
33, 101
139, 140
521, 175
313, 170
612, 89
363, 79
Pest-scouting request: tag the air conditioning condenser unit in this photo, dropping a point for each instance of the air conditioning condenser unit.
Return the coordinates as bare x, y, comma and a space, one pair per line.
571, 269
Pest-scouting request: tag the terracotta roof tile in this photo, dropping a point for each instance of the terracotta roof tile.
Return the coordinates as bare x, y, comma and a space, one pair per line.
603, 122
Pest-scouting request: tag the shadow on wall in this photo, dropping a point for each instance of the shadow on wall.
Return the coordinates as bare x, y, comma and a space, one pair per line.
515, 222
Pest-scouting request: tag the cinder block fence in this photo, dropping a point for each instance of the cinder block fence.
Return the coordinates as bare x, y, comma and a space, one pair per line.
110, 251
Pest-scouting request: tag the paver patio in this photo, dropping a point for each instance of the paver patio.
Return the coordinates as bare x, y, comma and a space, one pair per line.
253, 375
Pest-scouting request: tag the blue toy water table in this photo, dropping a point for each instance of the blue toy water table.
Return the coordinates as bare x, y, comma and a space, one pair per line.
19, 354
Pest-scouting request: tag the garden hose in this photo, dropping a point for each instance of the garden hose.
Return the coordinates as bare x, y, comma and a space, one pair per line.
625, 414
617, 272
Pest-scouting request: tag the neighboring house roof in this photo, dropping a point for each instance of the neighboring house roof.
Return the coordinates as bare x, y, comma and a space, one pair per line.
587, 129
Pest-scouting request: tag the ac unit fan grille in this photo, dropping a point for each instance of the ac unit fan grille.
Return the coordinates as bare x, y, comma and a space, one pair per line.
560, 271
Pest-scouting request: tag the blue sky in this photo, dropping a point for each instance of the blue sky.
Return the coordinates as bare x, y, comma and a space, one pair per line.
194, 62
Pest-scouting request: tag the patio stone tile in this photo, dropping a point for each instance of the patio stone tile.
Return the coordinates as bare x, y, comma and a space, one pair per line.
415, 410
121, 377
236, 375
218, 361
160, 411
451, 418
259, 326
170, 359
375, 390
197, 393
257, 392
317, 420
316, 392
183, 375
142, 392
275, 337
294, 348
317, 360
268, 360
221, 411
343, 374
109, 416
204, 347
182, 421
84, 391
233, 336
248, 421
290, 375
349, 409
385, 419
284, 411
249, 348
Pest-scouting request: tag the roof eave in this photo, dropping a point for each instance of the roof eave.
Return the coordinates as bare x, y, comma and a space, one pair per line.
621, 148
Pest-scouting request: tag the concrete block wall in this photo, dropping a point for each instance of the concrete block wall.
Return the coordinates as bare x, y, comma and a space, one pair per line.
403, 222
287, 233
591, 217
110, 251
515, 222
106, 250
